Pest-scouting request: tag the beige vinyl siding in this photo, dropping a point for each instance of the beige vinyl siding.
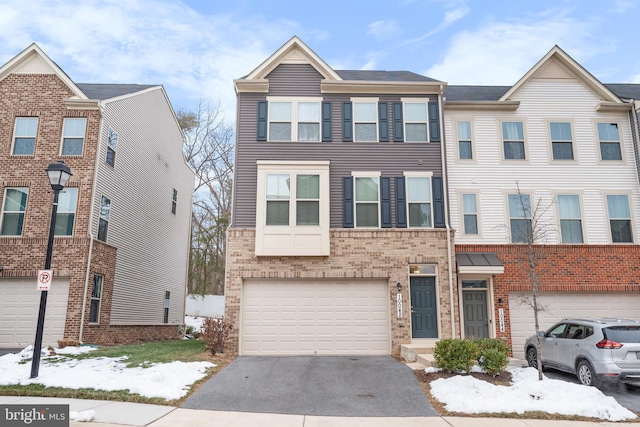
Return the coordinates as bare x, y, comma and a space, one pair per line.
152, 242
542, 101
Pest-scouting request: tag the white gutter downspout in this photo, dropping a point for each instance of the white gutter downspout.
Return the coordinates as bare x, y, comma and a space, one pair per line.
635, 109
90, 230
445, 191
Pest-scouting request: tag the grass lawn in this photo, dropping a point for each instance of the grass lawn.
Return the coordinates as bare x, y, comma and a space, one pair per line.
143, 355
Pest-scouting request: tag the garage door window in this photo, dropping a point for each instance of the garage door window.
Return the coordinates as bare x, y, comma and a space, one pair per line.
96, 297
13, 209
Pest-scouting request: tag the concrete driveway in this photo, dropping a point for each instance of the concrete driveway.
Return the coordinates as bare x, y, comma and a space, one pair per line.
371, 386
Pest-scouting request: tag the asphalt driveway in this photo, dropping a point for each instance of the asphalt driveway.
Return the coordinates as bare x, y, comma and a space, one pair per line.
372, 386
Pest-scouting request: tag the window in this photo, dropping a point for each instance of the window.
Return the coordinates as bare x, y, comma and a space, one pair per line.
415, 121
294, 120
520, 218
307, 199
174, 201
619, 218
609, 138
24, 138
561, 140
105, 208
513, 140
66, 213
365, 121
112, 143
15, 204
167, 304
366, 201
570, 218
419, 201
73, 132
470, 213
96, 296
465, 147
278, 195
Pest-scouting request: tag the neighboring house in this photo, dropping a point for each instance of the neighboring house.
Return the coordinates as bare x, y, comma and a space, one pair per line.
570, 143
339, 216
122, 233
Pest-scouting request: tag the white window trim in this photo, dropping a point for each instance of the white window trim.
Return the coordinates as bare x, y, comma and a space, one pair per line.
412, 174
2, 211
363, 174
574, 147
371, 100
35, 137
91, 298
294, 100
634, 237
292, 240
514, 191
623, 157
526, 144
84, 137
580, 195
461, 192
456, 138
111, 135
424, 101
75, 213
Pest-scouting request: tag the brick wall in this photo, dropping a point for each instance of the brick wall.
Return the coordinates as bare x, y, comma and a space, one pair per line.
381, 254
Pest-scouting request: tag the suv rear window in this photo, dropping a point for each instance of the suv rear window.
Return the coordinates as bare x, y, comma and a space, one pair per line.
622, 334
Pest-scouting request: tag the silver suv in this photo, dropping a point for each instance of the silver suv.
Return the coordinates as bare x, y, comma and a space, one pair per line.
595, 350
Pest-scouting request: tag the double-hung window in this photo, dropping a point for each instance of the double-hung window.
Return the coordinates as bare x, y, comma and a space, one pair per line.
465, 145
513, 141
73, 133
609, 137
561, 140
174, 201
415, 121
365, 121
419, 201
112, 144
65, 216
13, 210
103, 225
520, 218
570, 218
96, 296
367, 201
24, 136
294, 119
470, 213
166, 306
305, 189
619, 218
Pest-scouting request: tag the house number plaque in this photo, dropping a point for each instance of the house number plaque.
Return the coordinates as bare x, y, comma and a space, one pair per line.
399, 304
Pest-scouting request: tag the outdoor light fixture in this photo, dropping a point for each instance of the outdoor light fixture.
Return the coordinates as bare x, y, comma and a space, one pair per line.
399, 285
59, 174
500, 301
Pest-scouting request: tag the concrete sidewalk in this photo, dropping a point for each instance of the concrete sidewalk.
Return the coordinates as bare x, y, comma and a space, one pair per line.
117, 414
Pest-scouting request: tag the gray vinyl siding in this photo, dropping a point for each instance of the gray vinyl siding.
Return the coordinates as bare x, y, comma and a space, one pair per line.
152, 243
390, 158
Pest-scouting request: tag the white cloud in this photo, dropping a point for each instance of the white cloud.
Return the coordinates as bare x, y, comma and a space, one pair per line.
383, 29
450, 17
622, 6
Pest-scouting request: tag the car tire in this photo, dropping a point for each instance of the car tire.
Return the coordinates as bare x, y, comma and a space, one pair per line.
586, 374
532, 357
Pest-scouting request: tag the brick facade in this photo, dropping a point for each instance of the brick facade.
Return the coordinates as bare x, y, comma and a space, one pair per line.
563, 268
380, 254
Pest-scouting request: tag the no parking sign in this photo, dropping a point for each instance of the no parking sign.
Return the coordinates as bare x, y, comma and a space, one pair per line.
44, 279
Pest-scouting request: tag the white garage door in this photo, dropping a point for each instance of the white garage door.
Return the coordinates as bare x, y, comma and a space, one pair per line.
19, 305
562, 305
315, 317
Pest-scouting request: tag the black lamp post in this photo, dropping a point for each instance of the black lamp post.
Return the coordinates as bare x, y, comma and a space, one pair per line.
59, 174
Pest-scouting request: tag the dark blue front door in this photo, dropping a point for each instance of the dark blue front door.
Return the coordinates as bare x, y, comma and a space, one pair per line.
424, 313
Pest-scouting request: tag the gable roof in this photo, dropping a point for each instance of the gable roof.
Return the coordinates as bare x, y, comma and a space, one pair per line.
103, 91
494, 93
384, 76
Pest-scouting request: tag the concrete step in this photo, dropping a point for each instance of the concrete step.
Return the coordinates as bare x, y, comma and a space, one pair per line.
416, 366
427, 360
409, 351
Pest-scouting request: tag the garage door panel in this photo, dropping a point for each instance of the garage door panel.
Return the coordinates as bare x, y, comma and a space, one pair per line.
315, 318
562, 305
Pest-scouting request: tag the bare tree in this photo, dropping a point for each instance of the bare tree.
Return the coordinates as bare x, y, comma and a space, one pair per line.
209, 151
529, 228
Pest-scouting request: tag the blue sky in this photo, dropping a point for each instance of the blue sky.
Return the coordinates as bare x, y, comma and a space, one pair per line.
195, 48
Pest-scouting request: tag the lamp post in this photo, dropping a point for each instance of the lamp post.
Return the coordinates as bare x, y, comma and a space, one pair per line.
59, 174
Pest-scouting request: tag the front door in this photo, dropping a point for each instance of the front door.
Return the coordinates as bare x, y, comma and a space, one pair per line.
424, 313
476, 322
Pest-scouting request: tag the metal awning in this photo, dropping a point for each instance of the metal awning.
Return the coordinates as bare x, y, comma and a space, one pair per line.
479, 263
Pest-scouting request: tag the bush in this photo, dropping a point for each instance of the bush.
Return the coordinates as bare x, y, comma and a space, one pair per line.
494, 355
453, 355
215, 331
192, 332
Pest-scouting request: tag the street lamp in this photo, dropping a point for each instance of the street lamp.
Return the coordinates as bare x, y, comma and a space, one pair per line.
59, 174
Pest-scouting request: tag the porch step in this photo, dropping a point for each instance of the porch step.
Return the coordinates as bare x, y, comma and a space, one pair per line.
416, 366
427, 360
409, 352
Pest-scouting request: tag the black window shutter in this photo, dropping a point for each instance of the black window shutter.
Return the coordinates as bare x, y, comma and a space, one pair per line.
434, 122
385, 202
262, 121
383, 121
438, 202
398, 125
401, 203
326, 121
347, 202
347, 122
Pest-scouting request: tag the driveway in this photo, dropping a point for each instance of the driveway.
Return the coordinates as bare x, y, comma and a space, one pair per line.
371, 386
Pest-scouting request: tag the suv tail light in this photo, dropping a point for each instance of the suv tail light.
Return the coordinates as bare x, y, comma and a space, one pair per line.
608, 345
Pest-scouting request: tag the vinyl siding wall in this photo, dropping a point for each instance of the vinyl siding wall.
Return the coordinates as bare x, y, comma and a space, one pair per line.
541, 101
152, 243
390, 158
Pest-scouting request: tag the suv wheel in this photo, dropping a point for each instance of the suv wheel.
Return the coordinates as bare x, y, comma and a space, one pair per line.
586, 374
532, 357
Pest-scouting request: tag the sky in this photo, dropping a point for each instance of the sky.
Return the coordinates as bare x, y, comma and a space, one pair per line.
196, 48
461, 393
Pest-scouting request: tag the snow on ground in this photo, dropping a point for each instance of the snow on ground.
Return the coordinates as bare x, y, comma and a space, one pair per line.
194, 321
466, 394
164, 380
